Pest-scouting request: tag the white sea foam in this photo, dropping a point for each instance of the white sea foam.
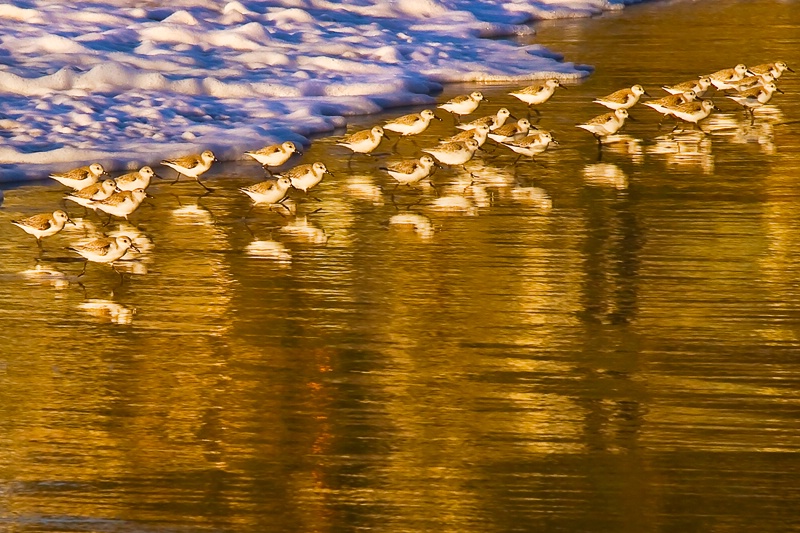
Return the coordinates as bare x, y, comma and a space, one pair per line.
126, 86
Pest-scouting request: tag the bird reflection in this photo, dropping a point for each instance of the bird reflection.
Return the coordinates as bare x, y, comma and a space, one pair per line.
605, 175
420, 224
687, 148
626, 145
108, 310
46, 275
303, 230
363, 187
535, 197
270, 249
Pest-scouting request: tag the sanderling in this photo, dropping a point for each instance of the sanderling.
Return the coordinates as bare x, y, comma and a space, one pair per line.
755, 97
456, 153
622, 99
411, 171
363, 142
723, 79
693, 112
411, 124
479, 133
663, 105
531, 145
699, 86
191, 166
94, 192
43, 225
121, 204
510, 132
492, 121
271, 191
274, 155
537, 94
78, 178
462, 105
604, 125
774, 69
104, 249
304, 177
136, 180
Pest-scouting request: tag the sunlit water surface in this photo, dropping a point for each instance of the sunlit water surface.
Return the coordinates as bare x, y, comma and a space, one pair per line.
580, 343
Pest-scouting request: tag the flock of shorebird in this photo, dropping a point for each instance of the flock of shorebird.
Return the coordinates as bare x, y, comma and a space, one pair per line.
119, 197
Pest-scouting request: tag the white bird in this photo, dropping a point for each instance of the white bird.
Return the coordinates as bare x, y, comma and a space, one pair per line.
192, 166
462, 105
364, 141
509, 132
136, 180
457, 153
774, 69
699, 86
43, 225
104, 250
479, 133
94, 192
411, 171
537, 94
304, 177
663, 105
81, 177
121, 204
693, 112
604, 125
531, 145
271, 191
724, 79
755, 97
622, 99
493, 121
274, 155
411, 124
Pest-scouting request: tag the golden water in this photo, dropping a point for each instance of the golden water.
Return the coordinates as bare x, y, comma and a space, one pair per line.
582, 343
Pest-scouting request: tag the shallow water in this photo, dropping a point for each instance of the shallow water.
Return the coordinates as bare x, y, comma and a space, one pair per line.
581, 343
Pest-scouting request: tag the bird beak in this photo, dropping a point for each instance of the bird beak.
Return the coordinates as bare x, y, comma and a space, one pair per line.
778, 90
329, 172
148, 195
157, 176
135, 248
70, 221
632, 119
553, 141
647, 94
790, 70
562, 87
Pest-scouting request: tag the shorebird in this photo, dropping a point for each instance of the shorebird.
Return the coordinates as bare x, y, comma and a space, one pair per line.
191, 166
699, 86
462, 105
81, 177
774, 69
103, 250
411, 171
537, 94
411, 124
693, 112
492, 121
274, 155
94, 192
43, 225
363, 142
755, 97
605, 125
531, 145
136, 180
724, 79
622, 99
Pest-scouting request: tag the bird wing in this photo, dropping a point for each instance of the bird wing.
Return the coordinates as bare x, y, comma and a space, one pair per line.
98, 246
602, 119
406, 120
620, 96
38, 222
187, 161
404, 167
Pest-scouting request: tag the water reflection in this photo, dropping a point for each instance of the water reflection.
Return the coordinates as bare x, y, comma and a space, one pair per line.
605, 175
687, 148
382, 360
108, 311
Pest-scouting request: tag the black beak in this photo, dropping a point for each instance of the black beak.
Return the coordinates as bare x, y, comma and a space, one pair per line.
778, 90
563, 87
790, 70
